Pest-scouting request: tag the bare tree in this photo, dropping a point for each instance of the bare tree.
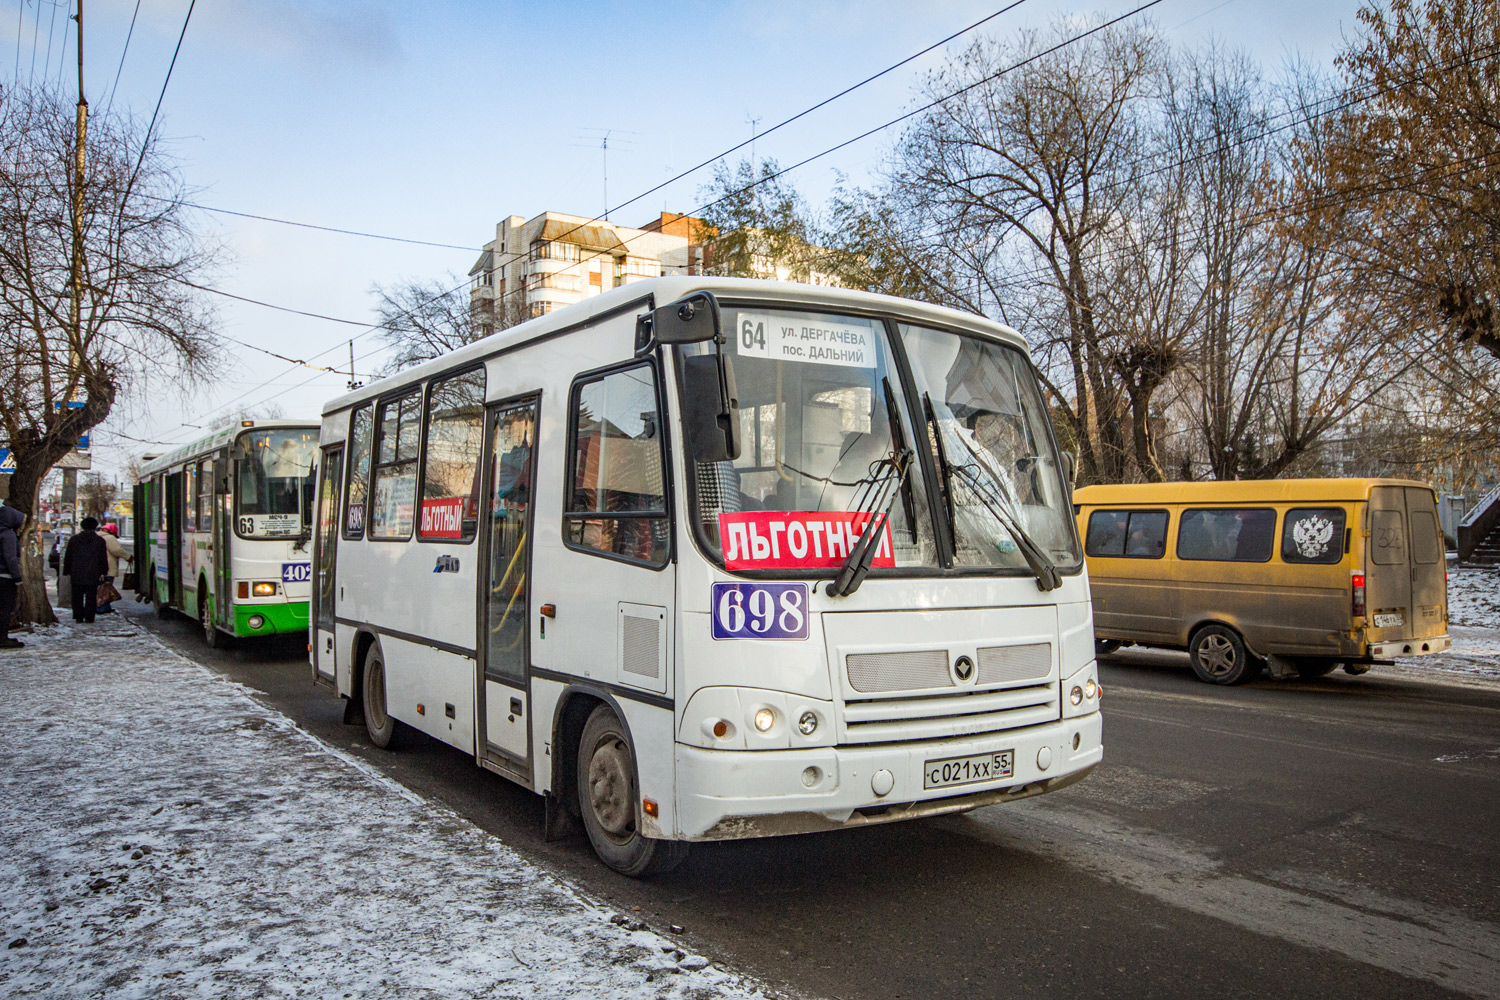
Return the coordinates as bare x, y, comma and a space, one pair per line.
96, 495
1015, 168
1412, 183
761, 226
421, 320
139, 315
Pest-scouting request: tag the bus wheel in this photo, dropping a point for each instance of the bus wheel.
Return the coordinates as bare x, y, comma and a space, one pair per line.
1311, 669
212, 637
1219, 656
378, 722
607, 796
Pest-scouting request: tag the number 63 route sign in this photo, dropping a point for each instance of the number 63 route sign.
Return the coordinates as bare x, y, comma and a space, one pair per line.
760, 610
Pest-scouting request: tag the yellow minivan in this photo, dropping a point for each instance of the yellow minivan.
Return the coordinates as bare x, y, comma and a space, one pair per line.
1298, 575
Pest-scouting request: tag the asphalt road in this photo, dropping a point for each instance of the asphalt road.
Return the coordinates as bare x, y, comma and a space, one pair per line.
1338, 838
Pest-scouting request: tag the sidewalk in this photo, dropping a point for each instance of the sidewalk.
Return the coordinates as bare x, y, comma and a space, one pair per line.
165, 835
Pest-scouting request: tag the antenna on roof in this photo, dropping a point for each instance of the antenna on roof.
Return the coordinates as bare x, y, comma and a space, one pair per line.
603, 144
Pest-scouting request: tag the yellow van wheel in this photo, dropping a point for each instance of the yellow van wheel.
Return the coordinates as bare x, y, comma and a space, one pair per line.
1219, 656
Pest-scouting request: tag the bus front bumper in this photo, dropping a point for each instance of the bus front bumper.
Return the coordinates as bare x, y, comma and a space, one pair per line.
734, 794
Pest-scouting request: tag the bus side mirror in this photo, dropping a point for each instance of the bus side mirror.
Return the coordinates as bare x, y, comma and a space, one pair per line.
710, 408
692, 319
1070, 467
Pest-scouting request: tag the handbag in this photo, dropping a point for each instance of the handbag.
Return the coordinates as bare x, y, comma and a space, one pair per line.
128, 582
106, 593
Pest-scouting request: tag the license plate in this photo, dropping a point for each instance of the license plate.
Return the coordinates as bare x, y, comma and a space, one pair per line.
966, 770
1391, 620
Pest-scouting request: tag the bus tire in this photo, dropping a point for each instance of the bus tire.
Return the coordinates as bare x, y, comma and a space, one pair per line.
1219, 656
379, 725
212, 637
607, 798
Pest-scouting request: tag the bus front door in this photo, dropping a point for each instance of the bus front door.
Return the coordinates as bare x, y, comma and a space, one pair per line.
506, 521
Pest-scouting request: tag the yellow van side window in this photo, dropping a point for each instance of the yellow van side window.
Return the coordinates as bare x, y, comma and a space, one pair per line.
1133, 534
1243, 534
1313, 535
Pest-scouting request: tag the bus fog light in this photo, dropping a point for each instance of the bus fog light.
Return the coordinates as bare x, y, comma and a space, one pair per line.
264, 589
1091, 690
1076, 695
717, 729
765, 718
811, 776
255, 621
1077, 740
807, 724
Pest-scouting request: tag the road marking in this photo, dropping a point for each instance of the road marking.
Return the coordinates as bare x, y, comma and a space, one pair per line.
1423, 942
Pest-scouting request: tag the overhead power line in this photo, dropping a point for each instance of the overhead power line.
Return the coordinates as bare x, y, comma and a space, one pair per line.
110, 103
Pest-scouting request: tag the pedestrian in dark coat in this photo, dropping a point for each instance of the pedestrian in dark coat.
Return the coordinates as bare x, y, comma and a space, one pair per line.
10, 571
86, 562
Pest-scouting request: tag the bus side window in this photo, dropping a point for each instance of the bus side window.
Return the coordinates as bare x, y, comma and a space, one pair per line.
450, 473
360, 433
190, 497
616, 499
393, 487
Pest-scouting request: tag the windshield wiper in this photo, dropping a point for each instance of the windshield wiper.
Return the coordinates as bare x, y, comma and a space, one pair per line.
1045, 570
876, 501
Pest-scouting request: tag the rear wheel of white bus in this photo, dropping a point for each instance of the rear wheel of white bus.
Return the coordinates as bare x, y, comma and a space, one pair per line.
379, 725
607, 797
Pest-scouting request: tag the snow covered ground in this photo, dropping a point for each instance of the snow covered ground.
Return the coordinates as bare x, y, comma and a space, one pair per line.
165, 835
1474, 624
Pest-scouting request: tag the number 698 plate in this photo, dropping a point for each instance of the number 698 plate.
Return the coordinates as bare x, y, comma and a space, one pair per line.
760, 610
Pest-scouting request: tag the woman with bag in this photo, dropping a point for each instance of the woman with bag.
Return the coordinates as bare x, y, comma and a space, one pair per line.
11, 520
115, 552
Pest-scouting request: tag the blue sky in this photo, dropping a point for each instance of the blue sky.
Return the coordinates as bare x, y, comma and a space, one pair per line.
431, 121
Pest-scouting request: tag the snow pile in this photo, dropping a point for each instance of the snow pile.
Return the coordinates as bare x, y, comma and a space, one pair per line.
1474, 597
168, 836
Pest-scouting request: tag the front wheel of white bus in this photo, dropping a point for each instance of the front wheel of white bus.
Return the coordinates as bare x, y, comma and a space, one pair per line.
607, 797
378, 722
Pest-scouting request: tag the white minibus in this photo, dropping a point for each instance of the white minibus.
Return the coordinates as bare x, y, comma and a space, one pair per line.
704, 558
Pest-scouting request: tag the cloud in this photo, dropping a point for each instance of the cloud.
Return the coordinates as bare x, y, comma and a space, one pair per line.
313, 33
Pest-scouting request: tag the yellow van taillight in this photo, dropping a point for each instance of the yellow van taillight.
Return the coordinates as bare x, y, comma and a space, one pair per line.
1357, 606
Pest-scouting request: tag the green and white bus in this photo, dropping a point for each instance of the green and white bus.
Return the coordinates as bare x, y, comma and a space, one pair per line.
225, 528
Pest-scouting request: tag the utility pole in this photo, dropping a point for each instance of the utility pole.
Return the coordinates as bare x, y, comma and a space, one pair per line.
353, 384
75, 306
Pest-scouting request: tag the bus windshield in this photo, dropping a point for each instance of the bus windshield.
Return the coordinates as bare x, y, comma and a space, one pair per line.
823, 414
273, 482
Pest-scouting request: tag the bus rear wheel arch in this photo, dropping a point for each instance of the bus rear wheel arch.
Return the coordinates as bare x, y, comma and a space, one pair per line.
609, 800
1219, 655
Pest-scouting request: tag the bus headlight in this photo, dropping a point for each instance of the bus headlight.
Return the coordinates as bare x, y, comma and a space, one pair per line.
765, 718
807, 724
1091, 690
263, 589
255, 621
1076, 695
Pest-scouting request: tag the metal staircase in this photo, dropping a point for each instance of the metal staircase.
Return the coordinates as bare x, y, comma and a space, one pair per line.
1479, 532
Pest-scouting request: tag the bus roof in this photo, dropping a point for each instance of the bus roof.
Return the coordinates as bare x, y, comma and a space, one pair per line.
1235, 491
668, 289
215, 439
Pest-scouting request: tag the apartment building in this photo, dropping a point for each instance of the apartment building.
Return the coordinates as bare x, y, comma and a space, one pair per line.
536, 266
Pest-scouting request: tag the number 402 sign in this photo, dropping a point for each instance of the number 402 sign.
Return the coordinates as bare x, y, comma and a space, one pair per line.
760, 610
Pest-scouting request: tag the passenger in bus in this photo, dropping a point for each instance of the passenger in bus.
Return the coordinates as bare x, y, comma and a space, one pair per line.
11, 520
86, 562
